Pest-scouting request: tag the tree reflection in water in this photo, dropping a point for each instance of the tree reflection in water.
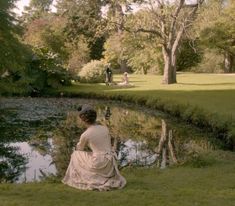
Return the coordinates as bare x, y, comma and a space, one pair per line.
165, 149
65, 138
144, 140
139, 137
12, 164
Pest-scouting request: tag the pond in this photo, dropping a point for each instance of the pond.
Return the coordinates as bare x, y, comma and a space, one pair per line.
38, 135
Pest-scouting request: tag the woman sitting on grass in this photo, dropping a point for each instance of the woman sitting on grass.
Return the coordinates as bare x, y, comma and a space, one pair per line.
125, 80
95, 170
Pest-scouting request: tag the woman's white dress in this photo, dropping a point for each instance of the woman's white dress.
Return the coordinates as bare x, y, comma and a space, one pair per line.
96, 170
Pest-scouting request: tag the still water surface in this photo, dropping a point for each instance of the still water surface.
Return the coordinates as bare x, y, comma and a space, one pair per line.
37, 136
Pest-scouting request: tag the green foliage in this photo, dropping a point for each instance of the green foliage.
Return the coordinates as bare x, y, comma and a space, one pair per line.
218, 32
36, 9
84, 19
12, 52
139, 51
221, 33
197, 160
65, 137
189, 55
114, 52
47, 32
50, 34
144, 56
212, 62
93, 72
79, 55
45, 70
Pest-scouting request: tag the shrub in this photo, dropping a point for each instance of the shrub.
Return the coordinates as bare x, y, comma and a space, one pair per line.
93, 72
197, 160
212, 62
189, 56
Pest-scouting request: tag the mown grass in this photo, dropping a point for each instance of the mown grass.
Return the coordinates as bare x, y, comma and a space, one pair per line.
206, 100
212, 184
213, 92
205, 181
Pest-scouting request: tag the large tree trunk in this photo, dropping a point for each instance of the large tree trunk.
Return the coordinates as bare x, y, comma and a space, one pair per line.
120, 19
123, 66
228, 63
169, 76
173, 59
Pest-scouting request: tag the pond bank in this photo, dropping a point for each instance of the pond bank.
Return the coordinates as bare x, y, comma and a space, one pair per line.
210, 122
210, 183
204, 100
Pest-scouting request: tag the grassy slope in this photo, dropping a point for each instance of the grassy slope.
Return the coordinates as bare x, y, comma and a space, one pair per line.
213, 185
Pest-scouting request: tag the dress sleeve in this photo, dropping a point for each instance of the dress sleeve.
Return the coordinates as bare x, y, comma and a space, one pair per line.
82, 143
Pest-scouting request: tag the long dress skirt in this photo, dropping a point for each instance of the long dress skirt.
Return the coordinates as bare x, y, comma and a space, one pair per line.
90, 171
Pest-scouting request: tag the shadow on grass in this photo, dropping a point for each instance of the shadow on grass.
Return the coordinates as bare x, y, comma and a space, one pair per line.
215, 84
215, 101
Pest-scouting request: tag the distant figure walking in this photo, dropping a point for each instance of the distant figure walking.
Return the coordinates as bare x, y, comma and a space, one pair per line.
108, 76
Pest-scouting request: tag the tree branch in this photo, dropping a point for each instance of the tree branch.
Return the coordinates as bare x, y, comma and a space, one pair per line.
173, 23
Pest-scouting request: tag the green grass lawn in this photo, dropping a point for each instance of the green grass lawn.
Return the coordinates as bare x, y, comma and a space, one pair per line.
212, 185
213, 92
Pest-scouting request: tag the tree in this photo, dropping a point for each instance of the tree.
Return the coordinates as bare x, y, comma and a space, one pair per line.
190, 54
36, 9
116, 21
139, 52
84, 20
220, 35
13, 53
43, 5
169, 21
47, 32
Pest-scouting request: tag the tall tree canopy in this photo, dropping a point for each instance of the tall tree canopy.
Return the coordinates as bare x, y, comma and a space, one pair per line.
220, 33
12, 52
169, 20
84, 20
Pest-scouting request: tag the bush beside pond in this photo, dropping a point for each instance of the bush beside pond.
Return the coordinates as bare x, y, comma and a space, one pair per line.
93, 72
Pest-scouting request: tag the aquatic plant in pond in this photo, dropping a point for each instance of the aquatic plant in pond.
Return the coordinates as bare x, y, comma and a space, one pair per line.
44, 132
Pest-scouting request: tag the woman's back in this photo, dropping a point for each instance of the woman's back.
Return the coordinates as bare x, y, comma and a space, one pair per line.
98, 139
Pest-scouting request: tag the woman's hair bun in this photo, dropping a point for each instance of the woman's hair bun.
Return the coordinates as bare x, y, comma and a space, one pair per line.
87, 113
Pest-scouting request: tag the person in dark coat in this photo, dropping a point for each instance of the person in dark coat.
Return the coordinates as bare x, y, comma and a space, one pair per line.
108, 75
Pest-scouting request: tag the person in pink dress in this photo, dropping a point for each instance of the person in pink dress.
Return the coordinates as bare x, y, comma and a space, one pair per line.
96, 169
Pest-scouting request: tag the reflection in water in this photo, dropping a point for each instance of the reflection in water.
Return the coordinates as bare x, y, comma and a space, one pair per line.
35, 170
165, 148
65, 138
39, 135
12, 164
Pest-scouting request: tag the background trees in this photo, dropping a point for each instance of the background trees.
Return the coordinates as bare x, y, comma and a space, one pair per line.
154, 36
12, 51
220, 35
169, 21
